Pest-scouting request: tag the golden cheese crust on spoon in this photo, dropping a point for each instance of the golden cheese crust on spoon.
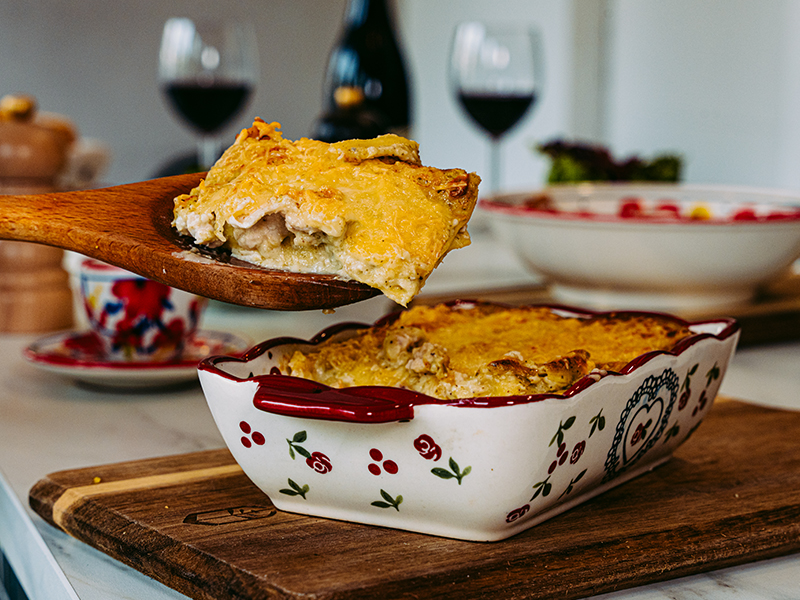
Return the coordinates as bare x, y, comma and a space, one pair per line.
365, 210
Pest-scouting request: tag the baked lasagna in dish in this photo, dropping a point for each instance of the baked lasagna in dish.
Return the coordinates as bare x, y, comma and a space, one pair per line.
365, 210
474, 350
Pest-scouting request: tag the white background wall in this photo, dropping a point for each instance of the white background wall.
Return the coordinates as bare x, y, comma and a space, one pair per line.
716, 80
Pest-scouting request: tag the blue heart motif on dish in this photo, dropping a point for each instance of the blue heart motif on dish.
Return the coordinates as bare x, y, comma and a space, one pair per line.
642, 426
642, 422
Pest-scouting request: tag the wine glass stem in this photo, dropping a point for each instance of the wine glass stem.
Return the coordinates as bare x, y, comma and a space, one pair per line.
207, 152
494, 166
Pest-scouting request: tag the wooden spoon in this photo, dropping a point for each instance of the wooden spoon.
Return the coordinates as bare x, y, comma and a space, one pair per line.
130, 226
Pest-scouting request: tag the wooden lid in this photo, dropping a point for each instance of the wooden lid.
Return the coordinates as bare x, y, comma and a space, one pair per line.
33, 148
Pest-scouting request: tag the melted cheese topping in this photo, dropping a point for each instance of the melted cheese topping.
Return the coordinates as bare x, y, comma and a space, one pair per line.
456, 352
362, 209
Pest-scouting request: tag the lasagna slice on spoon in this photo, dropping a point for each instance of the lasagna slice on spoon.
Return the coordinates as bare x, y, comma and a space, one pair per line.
364, 210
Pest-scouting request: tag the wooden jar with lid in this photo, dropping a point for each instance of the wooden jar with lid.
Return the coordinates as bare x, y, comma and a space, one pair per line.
34, 287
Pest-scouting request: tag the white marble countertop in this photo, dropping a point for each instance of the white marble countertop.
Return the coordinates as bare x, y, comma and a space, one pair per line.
48, 423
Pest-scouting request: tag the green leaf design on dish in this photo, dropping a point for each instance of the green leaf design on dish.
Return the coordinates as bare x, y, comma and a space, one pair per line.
298, 438
296, 489
543, 487
562, 427
572, 483
598, 423
713, 373
454, 473
388, 501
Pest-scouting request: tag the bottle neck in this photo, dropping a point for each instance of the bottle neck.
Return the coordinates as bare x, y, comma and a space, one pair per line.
359, 12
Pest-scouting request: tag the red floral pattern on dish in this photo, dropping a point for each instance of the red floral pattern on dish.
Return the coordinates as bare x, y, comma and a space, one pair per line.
427, 448
517, 513
319, 462
251, 437
388, 465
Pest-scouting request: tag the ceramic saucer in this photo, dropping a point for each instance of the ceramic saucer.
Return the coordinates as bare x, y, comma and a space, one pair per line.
78, 355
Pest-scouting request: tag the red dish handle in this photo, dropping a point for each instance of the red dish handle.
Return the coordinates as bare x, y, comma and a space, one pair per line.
294, 397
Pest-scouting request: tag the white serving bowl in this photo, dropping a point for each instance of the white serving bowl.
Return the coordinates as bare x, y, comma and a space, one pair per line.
592, 253
480, 469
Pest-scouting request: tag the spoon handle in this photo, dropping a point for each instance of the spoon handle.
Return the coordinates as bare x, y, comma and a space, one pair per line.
104, 223
130, 226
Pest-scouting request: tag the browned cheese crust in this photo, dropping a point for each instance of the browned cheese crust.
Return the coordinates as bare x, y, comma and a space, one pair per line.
452, 352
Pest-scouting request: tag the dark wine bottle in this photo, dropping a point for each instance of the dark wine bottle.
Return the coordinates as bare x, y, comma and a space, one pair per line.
350, 120
367, 57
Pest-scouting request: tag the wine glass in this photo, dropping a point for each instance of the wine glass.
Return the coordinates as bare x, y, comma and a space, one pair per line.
207, 71
496, 75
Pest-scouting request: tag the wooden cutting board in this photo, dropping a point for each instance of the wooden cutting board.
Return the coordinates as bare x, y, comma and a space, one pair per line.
730, 495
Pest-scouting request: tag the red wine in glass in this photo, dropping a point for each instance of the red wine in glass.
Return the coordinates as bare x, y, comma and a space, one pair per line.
495, 72
208, 108
207, 71
496, 113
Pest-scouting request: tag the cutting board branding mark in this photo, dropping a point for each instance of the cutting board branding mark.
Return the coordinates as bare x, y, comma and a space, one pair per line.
225, 516
75, 495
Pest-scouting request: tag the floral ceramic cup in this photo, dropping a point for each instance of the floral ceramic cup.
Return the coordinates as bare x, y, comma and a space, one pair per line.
134, 318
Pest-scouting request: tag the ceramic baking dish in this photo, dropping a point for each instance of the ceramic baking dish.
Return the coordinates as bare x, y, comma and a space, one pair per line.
479, 469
